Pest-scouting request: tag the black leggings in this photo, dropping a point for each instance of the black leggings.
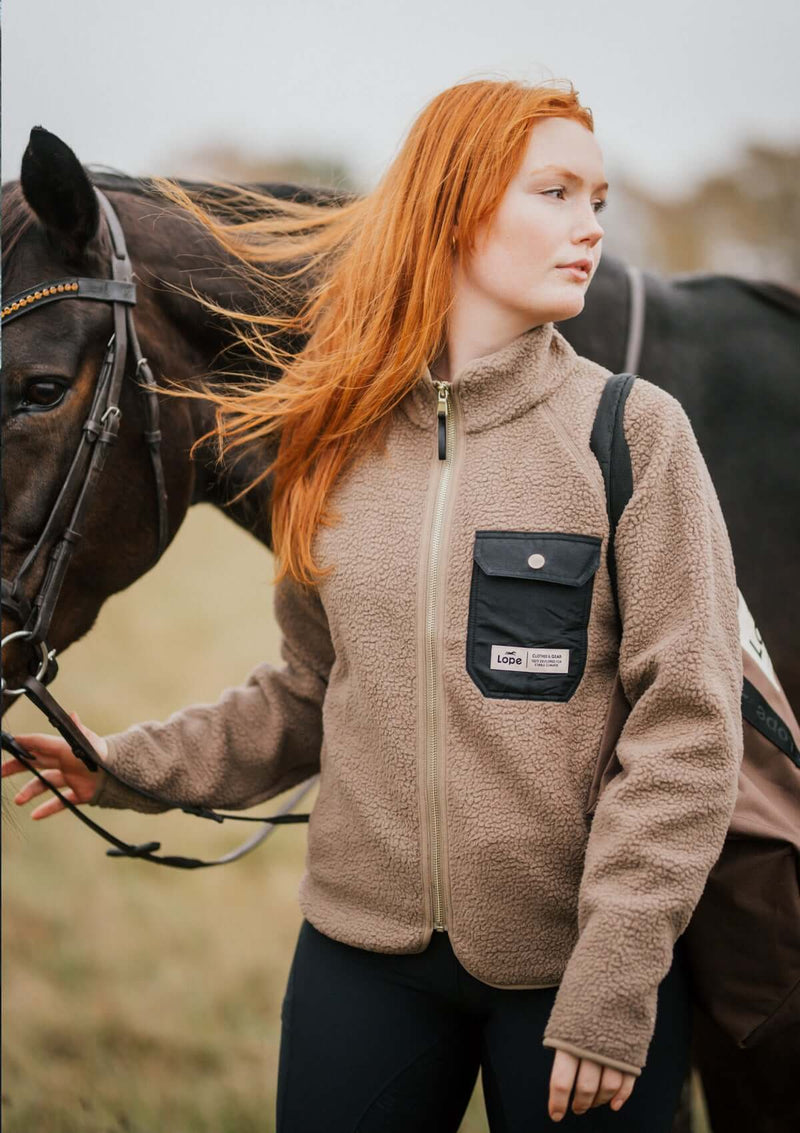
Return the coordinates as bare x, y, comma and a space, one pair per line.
380, 1043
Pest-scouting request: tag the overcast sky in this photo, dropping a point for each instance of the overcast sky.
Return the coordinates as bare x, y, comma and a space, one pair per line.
675, 88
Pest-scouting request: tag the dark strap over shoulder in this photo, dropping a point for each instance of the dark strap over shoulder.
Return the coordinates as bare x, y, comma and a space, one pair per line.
610, 447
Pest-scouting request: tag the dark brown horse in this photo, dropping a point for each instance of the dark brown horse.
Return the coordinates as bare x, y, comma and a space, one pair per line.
725, 348
52, 359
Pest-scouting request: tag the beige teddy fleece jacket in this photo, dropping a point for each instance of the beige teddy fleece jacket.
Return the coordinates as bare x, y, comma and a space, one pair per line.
450, 681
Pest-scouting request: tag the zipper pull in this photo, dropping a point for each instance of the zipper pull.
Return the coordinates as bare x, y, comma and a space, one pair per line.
442, 410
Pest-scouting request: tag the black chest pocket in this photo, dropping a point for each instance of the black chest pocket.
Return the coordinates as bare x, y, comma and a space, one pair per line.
529, 603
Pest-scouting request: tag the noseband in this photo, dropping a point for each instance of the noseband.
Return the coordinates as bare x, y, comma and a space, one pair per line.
99, 432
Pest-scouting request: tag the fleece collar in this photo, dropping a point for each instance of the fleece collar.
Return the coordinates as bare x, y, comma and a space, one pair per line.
501, 385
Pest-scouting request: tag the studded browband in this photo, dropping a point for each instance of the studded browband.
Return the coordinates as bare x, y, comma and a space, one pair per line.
113, 290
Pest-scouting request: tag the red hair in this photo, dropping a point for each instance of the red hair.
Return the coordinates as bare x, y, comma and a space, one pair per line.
377, 281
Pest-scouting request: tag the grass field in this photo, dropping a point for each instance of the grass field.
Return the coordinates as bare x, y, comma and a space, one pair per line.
135, 998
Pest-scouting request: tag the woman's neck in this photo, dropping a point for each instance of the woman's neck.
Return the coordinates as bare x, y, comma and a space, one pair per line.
476, 328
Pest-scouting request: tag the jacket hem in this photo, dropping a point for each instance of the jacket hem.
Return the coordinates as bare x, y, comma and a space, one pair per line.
581, 1052
491, 983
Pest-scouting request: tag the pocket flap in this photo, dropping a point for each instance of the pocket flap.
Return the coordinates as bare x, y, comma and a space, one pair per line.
547, 556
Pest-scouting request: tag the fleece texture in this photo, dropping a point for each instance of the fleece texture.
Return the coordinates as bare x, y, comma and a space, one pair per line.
436, 798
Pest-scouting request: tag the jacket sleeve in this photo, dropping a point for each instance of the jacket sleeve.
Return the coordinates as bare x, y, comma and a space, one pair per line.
660, 823
257, 740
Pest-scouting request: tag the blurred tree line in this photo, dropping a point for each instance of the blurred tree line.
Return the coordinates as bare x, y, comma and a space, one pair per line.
228, 162
744, 220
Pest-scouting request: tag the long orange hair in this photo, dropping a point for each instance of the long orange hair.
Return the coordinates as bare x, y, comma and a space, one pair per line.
376, 276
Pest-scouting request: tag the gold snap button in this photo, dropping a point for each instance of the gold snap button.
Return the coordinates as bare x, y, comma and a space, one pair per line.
536, 561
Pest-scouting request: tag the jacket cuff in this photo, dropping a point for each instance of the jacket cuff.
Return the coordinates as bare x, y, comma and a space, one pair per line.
100, 786
109, 792
580, 1052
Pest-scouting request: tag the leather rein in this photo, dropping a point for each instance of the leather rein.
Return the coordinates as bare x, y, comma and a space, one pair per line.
98, 434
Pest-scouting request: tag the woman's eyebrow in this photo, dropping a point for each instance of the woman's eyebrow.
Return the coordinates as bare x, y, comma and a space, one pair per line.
566, 174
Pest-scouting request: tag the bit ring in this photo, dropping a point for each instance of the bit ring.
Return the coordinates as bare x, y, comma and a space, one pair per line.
42, 665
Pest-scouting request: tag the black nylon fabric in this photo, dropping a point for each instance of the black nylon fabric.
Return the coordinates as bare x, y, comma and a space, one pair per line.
518, 613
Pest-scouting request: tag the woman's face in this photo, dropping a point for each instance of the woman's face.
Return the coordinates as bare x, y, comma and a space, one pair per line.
545, 219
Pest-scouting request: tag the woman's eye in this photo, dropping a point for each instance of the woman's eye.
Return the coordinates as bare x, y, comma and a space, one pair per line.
43, 393
598, 205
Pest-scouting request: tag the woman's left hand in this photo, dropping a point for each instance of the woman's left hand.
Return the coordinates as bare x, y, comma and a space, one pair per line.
595, 1084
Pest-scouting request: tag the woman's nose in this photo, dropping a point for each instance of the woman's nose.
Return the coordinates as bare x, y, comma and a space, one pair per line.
589, 226
592, 229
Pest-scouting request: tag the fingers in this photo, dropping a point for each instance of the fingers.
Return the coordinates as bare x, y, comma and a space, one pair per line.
610, 1082
624, 1092
53, 751
52, 806
95, 741
35, 787
562, 1076
586, 1084
12, 767
49, 750
594, 1085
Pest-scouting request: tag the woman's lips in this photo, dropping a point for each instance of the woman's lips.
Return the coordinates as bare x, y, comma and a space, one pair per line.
577, 273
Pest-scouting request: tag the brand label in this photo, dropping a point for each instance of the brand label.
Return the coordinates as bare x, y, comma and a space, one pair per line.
529, 659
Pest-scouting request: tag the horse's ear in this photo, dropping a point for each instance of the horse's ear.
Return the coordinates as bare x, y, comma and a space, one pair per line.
58, 190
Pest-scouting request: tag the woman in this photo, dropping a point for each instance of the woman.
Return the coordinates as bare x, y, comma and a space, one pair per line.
450, 646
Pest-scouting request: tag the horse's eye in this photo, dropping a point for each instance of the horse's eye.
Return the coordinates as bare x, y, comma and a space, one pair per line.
43, 392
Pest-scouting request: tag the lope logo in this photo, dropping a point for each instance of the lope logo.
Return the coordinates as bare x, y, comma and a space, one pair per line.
508, 657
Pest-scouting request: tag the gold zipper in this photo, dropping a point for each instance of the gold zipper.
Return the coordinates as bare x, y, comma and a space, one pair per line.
445, 426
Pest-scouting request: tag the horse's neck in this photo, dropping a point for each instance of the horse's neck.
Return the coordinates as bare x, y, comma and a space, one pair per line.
219, 486
190, 345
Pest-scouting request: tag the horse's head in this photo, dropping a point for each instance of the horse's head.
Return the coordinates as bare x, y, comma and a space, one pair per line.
57, 228
54, 230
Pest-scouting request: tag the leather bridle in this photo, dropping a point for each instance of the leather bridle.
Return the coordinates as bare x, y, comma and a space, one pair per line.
98, 434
